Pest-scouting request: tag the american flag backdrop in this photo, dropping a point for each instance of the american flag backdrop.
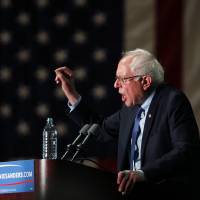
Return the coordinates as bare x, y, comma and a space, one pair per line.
38, 36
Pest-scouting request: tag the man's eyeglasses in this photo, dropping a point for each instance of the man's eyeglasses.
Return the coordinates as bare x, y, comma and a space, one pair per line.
126, 79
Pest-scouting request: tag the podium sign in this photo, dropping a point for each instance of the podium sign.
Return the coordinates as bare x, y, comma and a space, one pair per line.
17, 176
55, 179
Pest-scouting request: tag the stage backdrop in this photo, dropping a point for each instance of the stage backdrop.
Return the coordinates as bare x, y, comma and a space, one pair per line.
38, 36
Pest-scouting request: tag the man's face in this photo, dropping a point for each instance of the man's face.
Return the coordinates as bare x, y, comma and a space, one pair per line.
131, 89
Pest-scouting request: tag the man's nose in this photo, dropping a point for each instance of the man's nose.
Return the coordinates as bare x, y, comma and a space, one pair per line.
116, 83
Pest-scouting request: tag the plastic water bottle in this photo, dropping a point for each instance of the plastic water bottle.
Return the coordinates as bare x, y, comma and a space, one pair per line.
49, 140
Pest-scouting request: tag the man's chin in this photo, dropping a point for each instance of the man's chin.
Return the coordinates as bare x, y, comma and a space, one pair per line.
127, 104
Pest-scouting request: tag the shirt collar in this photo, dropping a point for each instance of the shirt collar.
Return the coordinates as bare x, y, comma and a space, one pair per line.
147, 102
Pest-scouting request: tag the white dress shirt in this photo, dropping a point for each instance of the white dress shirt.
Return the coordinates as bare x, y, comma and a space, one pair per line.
145, 106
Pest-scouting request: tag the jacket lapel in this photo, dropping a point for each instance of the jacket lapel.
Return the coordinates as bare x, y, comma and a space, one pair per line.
148, 122
124, 138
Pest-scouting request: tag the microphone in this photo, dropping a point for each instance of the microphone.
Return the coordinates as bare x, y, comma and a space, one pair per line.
82, 131
93, 130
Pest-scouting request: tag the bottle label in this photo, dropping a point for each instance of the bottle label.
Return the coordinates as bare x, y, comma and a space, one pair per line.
50, 145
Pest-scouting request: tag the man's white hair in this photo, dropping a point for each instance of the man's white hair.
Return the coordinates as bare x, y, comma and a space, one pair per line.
144, 63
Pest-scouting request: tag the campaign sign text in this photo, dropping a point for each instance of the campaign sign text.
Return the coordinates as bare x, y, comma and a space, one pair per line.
17, 176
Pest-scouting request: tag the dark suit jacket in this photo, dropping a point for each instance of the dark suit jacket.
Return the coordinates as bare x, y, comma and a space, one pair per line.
170, 143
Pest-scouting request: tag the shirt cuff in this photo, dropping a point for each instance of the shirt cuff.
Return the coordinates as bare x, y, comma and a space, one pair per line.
72, 107
141, 173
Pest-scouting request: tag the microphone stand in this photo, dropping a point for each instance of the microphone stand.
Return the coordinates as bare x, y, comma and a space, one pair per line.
71, 147
79, 147
91, 131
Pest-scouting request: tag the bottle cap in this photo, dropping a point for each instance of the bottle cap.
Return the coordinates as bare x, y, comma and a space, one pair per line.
50, 120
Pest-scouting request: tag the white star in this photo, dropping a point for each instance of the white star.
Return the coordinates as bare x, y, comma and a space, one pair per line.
42, 37
23, 128
23, 55
59, 93
61, 19
80, 73
5, 3
80, 3
61, 55
80, 37
41, 74
5, 110
5, 74
100, 55
99, 18
23, 19
42, 110
5, 37
42, 3
99, 92
62, 128
23, 91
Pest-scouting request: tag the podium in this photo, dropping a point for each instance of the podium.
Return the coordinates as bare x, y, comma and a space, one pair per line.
57, 180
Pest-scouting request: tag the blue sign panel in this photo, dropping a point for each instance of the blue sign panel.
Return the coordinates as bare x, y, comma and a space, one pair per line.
17, 176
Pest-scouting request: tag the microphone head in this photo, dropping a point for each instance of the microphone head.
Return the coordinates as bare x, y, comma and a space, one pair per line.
84, 129
94, 129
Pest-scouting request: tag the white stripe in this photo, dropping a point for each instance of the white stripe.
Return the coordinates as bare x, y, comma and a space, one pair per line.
139, 29
1, 166
191, 61
43, 176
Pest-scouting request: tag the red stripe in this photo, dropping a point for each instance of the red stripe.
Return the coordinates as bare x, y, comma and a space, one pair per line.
169, 39
17, 183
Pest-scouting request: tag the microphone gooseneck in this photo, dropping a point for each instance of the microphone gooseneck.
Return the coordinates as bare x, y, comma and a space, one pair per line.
91, 131
70, 147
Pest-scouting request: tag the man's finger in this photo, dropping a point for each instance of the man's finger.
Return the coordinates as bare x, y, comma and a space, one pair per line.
119, 177
68, 72
130, 183
64, 70
123, 181
60, 69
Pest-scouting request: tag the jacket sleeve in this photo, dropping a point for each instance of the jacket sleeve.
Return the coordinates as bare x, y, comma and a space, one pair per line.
83, 114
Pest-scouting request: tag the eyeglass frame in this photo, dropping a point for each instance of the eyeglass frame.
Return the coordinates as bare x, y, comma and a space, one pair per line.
125, 79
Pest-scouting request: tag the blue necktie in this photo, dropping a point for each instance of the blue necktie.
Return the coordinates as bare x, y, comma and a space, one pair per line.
135, 133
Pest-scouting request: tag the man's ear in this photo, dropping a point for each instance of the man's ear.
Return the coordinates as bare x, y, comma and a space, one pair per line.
146, 82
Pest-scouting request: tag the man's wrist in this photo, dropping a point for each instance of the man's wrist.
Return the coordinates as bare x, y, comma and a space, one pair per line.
75, 104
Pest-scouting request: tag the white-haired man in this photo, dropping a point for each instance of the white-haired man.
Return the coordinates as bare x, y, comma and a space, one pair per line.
157, 133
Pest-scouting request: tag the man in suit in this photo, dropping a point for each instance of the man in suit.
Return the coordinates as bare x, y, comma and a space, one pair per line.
158, 138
